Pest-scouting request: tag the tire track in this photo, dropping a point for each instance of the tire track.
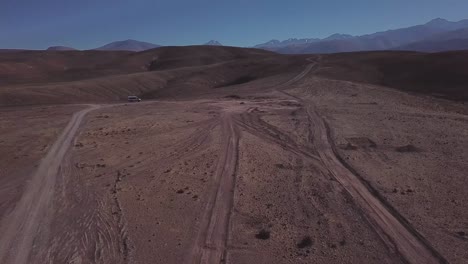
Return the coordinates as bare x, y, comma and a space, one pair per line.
194, 143
96, 232
388, 222
265, 131
211, 241
19, 229
393, 228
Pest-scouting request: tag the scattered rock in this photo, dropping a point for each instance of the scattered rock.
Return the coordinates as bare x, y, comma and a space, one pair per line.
350, 146
407, 148
233, 96
263, 234
305, 242
280, 166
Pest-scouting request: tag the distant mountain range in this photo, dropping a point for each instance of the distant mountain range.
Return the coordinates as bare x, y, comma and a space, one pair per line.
451, 40
60, 48
436, 35
124, 45
213, 43
276, 44
129, 45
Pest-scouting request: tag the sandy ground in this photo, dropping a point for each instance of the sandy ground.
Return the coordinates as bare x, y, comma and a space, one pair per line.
310, 171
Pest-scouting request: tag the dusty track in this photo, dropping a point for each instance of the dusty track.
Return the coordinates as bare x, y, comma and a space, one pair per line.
212, 239
253, 124
20, 228
407, 241
211, 242
390, 225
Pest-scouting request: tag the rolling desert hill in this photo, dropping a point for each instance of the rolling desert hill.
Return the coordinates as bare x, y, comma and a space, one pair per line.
53, 66
176, 57
30, 77
34, 77
439, 74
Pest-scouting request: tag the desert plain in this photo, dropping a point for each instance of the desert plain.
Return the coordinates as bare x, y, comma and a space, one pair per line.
233, 156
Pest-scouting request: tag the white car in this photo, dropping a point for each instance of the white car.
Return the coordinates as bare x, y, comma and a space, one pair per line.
133, 98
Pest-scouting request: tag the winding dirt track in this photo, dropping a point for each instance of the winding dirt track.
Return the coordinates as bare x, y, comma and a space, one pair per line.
19, 229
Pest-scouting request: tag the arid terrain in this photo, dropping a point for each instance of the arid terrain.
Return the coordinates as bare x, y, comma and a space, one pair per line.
233, 156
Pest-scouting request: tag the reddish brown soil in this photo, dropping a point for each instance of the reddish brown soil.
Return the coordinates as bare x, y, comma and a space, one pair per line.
244, 157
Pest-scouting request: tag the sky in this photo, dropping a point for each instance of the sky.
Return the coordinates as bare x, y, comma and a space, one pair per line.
86, 24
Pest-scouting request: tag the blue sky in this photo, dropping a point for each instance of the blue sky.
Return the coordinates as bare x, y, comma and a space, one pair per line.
84, 24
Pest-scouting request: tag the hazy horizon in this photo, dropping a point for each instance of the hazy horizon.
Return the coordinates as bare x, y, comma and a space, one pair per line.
87, 25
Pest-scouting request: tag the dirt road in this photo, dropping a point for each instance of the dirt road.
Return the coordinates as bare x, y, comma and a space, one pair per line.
391, 226
394, 230
211, 242
19, 228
